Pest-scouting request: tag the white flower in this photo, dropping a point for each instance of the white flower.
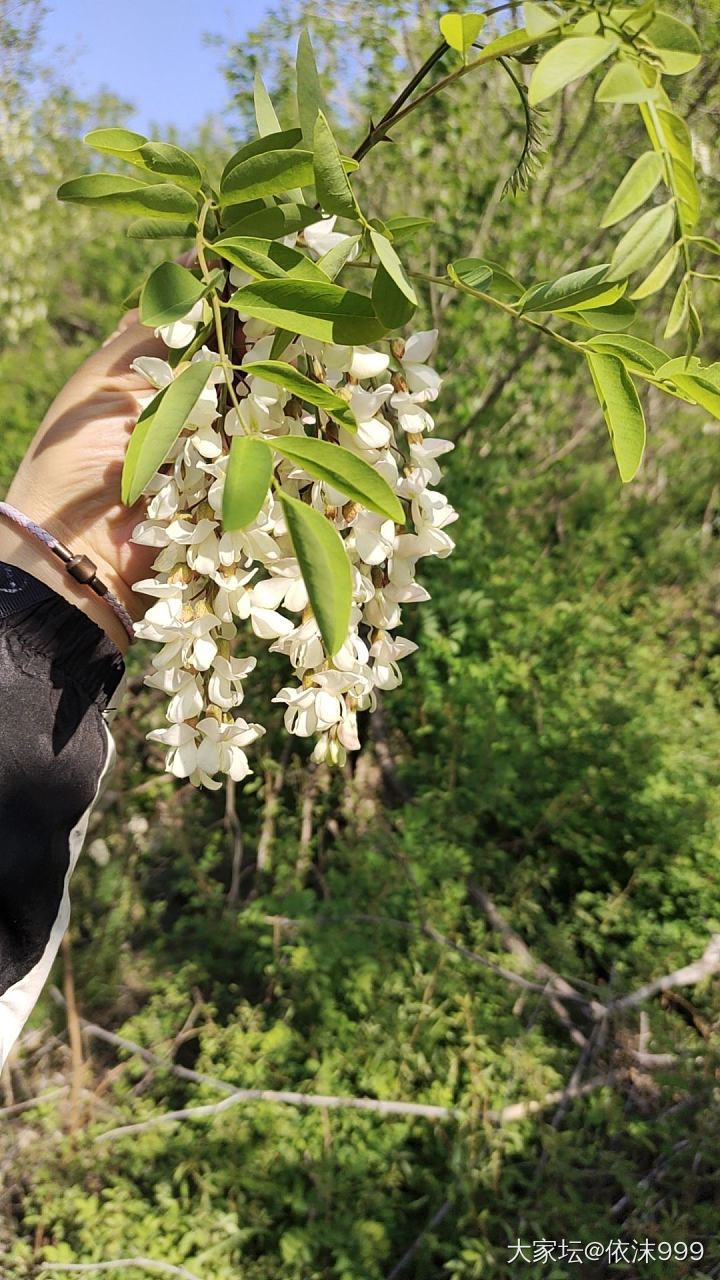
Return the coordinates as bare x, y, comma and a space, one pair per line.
423, 382
367, 363
374, 537
320, 237
181, 332
386, 653
220, 750
225, 684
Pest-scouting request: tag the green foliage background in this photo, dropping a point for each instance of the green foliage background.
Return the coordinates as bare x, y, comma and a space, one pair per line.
555, 746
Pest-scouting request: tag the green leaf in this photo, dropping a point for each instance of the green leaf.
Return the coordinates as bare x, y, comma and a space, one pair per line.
639, 182
507, 46
128, 195
618, 316
114, 141
578, 290
170, 291
471, 272
281, 342
391, 304
268, 174
275, 222
159, 229
674, 42
622, 409
267, 121
159, 158
297, 384
336, 258
331, 183
403, 227
283, 140
538, 22
158, 428
393, 265
267, 259
168, 161
660, 274
344, 471
567, 61
625, 83
634, 352
643, 241
315, 310
460, 30
325, 569
700, 383
271, 174
310, 97
679, 310
247, 480
686, 188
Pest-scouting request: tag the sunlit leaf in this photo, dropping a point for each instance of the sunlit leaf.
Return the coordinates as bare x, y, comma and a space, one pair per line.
577, 291
128, 195
297, 384
158, 428
331, 182
460, 30
325, 569
634, 352
660, 274
568, 61
625, 83
622, 410
643, 241
638, 184
310, 97
282, 140
267, 259
323, 311
344, 471
393, 265
247, 480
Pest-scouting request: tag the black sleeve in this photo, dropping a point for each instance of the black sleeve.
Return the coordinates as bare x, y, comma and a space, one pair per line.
59, 685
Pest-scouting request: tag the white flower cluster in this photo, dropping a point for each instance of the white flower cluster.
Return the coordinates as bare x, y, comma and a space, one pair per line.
209, 580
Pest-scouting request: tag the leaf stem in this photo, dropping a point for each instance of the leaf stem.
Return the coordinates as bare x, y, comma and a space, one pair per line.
201, 244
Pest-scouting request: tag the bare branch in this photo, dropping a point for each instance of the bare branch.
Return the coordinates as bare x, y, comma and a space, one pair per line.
705, 967
507, 1115
144, 1264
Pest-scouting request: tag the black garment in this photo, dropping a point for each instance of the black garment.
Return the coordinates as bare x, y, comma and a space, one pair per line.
58, 674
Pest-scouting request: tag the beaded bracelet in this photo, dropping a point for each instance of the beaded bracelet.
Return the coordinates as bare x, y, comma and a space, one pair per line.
81, 568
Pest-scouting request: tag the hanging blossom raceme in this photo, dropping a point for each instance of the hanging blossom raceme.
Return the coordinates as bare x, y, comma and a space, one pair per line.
212, 585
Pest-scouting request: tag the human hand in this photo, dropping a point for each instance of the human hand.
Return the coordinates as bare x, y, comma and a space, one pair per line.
69, 479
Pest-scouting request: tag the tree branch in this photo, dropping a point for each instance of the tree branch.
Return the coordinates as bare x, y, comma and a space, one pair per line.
144, 1264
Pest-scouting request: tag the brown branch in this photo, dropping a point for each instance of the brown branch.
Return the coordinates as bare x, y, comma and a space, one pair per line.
273, 787
233, 827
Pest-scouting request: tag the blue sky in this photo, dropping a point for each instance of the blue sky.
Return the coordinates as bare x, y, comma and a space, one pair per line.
150, 52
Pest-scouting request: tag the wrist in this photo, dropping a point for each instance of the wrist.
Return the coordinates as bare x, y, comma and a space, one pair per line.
21, 548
